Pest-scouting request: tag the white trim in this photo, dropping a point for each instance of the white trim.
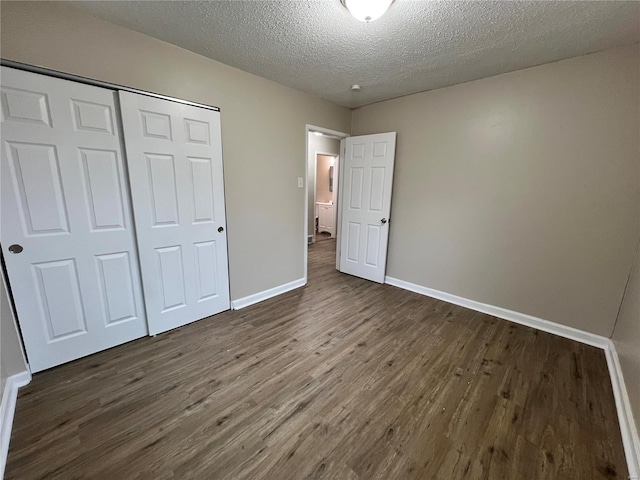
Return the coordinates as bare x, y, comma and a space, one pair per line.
630, 438
327, 131
266, 294
516, 317
339, 200
7, 409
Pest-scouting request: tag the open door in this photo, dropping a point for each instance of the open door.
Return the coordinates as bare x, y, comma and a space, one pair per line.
366, 204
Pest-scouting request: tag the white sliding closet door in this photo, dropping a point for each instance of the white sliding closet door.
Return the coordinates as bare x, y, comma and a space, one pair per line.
174, 155
66, 228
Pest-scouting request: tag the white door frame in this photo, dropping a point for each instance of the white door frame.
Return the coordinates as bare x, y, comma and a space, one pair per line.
338, 200
334, 133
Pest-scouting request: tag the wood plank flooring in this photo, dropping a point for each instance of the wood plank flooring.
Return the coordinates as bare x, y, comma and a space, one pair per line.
343, 379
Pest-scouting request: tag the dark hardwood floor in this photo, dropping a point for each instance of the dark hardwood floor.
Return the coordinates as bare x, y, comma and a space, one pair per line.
343, 379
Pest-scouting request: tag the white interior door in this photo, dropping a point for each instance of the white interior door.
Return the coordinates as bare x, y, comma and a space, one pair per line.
174, 154
66, 228
366, 204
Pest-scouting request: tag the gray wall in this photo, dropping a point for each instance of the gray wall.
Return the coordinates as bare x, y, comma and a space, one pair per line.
521, 190
626, 338
11, 356
263, 124
317, 144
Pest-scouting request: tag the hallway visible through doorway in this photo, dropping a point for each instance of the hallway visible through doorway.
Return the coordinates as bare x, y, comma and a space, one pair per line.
322, 254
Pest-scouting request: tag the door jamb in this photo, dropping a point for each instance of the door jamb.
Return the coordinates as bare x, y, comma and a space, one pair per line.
339, 199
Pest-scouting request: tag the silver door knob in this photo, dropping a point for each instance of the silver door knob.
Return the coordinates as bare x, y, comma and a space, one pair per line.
383, 221
15, 248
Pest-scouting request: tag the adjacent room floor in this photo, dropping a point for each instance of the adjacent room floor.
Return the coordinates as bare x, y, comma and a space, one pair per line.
342, 379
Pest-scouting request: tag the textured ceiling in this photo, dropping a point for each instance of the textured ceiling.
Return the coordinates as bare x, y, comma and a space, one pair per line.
317, 47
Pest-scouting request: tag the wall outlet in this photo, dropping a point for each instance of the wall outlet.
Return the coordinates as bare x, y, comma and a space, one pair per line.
300, 182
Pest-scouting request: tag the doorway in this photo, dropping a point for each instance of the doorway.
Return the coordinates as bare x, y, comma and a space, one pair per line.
322, 195
325, 195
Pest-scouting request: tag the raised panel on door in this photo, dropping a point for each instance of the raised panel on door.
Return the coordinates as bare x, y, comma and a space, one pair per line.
171, 277
93, 117
202, 190
372, 245
355, 192
25, 106
104, 190
353, 242
206, 259
58, 294
115, 274
75, 283
163, 189
34, 172
174, 157
376, 190
364, 231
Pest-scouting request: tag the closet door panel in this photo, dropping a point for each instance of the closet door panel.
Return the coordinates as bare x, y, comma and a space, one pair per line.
66, 229
174, 157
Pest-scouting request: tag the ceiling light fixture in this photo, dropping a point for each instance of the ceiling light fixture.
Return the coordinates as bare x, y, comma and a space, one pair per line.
367, 10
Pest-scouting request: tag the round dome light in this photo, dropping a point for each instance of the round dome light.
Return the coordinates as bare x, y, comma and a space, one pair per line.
367, 10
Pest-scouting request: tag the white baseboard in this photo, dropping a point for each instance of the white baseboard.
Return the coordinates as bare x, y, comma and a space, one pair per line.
7, 409
266, 294
516, 317
630, 438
